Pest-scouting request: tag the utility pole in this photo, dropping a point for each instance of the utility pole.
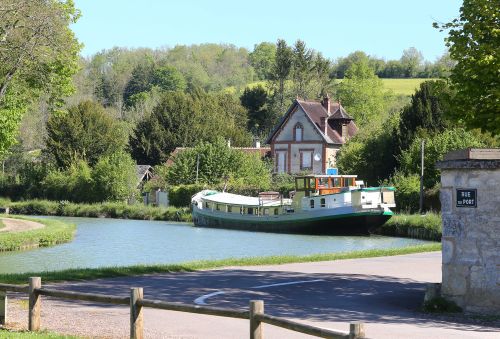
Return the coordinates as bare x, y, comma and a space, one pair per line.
421, 207
197, 166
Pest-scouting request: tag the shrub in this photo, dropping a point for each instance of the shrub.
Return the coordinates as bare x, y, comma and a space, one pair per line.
114, 177
441, 305
181, 195
407, 193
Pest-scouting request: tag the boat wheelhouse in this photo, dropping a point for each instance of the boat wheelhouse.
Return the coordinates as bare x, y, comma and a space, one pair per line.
320, 204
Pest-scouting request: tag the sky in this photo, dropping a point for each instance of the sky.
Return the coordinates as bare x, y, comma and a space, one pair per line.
381, 28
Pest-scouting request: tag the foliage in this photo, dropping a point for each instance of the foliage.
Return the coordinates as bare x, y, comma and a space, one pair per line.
180, 195
54, 232
115, 177
427, 226
261, 118
361, 93
281, 70
436, 146
11, 334
85, 132
38, 55
182, 119
218, 163
474, 42
262, 59
425, 113
411, 61
99, 210
407, 193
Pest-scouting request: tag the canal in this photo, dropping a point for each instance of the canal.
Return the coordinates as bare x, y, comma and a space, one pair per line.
118, 242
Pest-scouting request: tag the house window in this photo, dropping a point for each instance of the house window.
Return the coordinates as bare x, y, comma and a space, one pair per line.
281, 159
312, 203
323, 202
306, 159
299, 129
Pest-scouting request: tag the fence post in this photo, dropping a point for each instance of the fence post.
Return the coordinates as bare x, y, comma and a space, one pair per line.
3, 307
256, 307
356, 330
136, 314
35, 304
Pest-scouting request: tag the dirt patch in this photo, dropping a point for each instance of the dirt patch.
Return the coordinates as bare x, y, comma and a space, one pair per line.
19, 225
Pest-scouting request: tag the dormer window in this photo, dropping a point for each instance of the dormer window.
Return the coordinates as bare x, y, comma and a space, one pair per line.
298, 131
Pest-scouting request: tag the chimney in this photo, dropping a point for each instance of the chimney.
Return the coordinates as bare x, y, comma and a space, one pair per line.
326, 103
323, 125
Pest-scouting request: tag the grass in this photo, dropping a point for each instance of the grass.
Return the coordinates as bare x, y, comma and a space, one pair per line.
109, 272
1, 224
37, 335
417, 226
54, 232
403, 86
99, 210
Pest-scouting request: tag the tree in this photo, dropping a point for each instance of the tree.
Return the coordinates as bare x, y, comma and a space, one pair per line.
140, 81
115, 177
38, 54
425, 113
168, 78
302, 67
281, 69
411, 62
184, 119
262, 59
85, 132
474, 41
361, 93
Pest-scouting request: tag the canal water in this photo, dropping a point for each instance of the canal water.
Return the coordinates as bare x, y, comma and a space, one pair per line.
117, 242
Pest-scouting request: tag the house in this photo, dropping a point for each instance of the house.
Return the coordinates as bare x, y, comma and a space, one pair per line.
144, 174
309, 136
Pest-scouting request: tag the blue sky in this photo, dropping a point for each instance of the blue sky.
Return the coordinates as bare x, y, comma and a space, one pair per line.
382, 28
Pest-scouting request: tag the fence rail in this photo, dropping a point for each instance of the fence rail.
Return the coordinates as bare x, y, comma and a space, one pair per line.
136, 302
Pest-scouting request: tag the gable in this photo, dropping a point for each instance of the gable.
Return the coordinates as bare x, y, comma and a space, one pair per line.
286, 132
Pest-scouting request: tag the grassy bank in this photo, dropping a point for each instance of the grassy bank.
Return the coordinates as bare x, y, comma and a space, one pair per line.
417, 226
54, 232
108, 272
100, 210
35, 335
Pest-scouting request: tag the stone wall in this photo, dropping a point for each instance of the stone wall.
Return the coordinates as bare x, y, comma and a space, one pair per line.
471, 235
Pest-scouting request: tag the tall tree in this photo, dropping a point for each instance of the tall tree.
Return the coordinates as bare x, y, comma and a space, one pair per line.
281, 69
85, 132
411, 62
262, 59
474, 41
302, 67
38, 54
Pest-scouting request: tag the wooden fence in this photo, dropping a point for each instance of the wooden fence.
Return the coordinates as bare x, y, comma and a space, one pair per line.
136, 302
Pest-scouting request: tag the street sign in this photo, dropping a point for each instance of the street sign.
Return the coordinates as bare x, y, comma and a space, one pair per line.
467, 197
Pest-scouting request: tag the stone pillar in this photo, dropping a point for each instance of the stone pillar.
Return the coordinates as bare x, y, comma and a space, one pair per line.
470, 207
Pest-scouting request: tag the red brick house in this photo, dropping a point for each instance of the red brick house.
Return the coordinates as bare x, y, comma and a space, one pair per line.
309, 136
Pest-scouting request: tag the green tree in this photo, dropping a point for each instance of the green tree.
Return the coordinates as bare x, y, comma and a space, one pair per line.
140, 81
302, 67
115, 177
261, 119
411, 62
474, 41
38, 55
168, 78
281, 69
85, 132
184, 119
362, 93
425, 113
262, 59
436, 146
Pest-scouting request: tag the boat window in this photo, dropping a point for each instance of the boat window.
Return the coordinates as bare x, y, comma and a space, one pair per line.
266, 211
217, 207
312, 203
229, 209
250, 210
336, 182
206, 204
323, 182
276, 211
323, 202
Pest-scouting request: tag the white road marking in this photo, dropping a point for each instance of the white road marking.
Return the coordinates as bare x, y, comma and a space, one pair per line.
201, 300
288, 283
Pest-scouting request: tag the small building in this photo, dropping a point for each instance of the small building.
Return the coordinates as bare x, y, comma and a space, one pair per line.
309, 136
144, 174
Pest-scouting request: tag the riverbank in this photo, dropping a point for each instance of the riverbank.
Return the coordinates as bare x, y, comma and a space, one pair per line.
426, 227
30, 235
108, 272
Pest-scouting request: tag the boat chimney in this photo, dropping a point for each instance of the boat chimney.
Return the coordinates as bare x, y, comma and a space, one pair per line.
229, 143
256, 144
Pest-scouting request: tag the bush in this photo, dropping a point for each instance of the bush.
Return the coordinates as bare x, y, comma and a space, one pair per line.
181, 195
441, 305
407, 192
428, 226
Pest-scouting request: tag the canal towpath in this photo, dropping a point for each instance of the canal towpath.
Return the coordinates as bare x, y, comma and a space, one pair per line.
385, 293
19, 225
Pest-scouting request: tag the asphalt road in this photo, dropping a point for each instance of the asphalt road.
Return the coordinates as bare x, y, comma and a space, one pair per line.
384, 293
